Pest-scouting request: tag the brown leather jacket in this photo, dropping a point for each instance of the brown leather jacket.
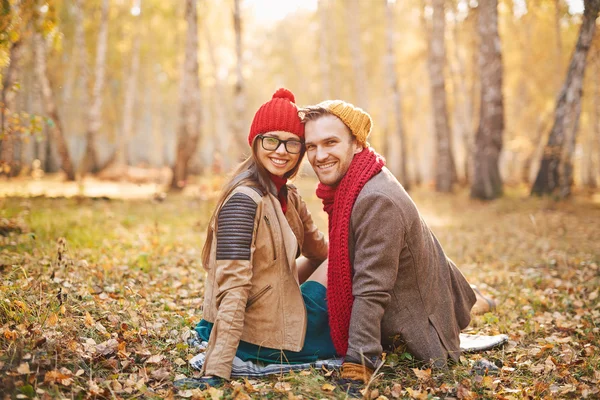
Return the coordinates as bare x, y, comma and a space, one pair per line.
259, 300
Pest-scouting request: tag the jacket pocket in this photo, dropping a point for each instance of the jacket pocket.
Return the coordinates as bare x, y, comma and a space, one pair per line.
252, 299
272, 238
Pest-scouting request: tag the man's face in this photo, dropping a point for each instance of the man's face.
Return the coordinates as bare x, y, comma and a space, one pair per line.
330, 148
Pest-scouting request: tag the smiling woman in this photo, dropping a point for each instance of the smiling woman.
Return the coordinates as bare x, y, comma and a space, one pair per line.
263, 302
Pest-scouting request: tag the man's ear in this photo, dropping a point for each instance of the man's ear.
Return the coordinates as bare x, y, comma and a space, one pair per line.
357, 147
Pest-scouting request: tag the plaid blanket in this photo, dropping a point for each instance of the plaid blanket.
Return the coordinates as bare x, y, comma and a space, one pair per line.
468, 343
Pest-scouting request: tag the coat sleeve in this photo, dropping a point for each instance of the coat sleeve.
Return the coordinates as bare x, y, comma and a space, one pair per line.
236, 227
378, 232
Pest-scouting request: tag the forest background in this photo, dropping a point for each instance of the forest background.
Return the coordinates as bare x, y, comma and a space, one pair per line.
110, 78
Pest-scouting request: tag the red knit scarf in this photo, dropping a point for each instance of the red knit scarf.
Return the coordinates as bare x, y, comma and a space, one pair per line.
337, 203
281, 194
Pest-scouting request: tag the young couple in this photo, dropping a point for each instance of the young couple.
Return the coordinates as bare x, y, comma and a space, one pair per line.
277, 292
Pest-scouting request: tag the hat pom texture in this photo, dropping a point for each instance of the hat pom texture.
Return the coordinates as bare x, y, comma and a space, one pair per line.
278, 114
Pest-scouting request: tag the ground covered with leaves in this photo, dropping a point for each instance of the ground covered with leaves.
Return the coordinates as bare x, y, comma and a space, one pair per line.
97, 297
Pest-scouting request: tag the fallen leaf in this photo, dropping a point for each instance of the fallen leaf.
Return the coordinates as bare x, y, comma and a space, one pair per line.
155, 359
108, 347
215, 393
282, 386
60, 377
328, 387
422, 374
23, 369
88, 320
160, 374
52, 319
396, 390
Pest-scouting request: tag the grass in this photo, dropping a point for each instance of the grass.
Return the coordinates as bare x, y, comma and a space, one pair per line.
96, 297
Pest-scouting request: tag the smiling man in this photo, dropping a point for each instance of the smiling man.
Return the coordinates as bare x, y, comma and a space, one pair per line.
389, 281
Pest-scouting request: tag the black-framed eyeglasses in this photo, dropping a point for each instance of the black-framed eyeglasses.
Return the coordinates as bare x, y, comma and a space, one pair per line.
271, 143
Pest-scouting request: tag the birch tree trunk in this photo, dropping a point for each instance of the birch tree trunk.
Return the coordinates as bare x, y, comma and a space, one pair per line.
445, 172
487, 182
219, 104
595, 173
90, 162
239, 119
77, 61
463, 109
555, 174
361, 95
50, 107
395, 100
130, 97
7, 107
189, 124
324, 39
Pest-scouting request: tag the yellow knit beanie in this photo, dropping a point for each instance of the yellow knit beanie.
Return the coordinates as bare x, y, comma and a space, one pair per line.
356, 119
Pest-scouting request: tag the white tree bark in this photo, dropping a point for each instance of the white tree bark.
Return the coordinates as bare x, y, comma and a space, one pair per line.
189, 124
130, 96
397, 153
444, 169
487, 182
50, 106
94, 117
555, 175
358, 64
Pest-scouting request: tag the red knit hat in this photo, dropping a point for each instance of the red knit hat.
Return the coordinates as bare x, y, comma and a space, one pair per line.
278, 114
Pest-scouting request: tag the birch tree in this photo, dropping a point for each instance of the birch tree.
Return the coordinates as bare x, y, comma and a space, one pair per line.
487, 182
324, 40
395, 98
239, 90
555, 175
189, 112
7, 107
131, 88
90, 162
358, 64
50, 106
445, 168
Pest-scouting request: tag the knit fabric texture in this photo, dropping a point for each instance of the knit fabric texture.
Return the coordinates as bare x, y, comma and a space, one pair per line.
278, 114
338, 203
355, 118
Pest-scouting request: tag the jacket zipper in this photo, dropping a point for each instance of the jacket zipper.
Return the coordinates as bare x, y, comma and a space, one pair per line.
272, 239
258, 295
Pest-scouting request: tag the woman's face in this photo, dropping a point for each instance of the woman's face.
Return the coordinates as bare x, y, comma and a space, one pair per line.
277, 161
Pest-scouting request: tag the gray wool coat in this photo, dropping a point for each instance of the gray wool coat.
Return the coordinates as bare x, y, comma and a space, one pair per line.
406, 290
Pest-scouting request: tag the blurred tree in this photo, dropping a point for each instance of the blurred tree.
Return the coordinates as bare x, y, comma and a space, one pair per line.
90, 162
358, 64
555, 176
445, 172
7, 164
239, 90
189, 124
50, 106
397, 155
463, 42
121, 158
487, 182
324, 41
